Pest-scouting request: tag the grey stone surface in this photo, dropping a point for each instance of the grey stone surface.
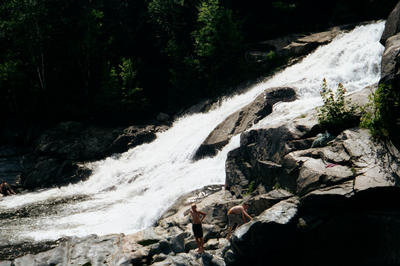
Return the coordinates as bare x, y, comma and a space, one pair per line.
392, 25
243, 119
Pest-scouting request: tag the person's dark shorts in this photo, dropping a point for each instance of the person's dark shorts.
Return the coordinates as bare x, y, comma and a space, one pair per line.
197, 230
235, 220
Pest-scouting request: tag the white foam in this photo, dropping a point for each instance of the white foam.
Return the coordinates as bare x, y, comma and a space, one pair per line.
130, 192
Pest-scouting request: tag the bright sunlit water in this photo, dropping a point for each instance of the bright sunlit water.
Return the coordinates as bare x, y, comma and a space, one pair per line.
130, 192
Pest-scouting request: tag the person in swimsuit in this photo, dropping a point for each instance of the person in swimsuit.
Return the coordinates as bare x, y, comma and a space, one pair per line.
197, 218
236, 217
5, 189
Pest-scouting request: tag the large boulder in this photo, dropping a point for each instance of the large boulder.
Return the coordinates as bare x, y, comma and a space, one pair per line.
261, 202
392, 25
305, 44
293, 45
268, 238
390, 59
260, 155
75, 141
390, 78
131, 137
49, 171
353, 155
243, 119
58, 155
361, 226
92, 250
345, 189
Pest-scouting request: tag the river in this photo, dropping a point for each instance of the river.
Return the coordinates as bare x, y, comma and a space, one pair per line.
129, 192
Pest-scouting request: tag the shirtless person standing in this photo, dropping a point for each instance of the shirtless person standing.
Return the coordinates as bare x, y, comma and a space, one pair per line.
236, 217
197, 218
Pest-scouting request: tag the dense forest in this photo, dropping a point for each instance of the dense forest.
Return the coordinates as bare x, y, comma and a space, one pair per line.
124, 61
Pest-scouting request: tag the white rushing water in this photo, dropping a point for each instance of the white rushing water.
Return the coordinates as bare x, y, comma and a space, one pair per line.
128, 193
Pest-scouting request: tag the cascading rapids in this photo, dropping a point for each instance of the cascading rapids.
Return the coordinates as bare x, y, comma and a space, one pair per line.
129, 192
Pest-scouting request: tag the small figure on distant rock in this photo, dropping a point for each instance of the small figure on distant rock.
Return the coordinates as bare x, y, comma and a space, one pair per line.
236, 217
5, 189
197, 219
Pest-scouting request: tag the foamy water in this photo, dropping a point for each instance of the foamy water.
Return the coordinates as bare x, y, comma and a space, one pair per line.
130, 192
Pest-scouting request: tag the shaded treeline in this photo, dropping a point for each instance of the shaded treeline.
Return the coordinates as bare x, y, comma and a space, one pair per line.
119, 61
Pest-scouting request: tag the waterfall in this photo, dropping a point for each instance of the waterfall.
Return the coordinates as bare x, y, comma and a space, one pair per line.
129, 192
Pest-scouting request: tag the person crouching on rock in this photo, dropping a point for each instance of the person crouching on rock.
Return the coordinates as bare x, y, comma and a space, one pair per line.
6, 189
236, 217
197, 219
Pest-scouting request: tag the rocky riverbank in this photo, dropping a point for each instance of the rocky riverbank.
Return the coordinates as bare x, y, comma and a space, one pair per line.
45, 157
330, 205
306, 202
56, 156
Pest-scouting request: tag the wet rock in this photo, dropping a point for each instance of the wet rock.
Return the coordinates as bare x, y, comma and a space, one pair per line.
163, 117
49, 171
392, 25
181, 259
57, 156
243, 119
361, 97
131, 137
10, 251
190, 244
211, 244
304, 45
390, 58
271, 233
259, 158
312, 174
376, 163
260, 203
178, 242
212, 231
159, 257
343, 185
341, 219
138, 257
75, 141
95, 250
208, 259
293, 45
135, 248
322, 199
77, 251
163, 247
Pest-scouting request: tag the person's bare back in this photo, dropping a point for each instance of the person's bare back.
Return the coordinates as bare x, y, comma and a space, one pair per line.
236, 209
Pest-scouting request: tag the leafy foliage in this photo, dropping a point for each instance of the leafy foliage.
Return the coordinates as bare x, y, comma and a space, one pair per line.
250, 189
336, 113
382, 113
77, 60
217, 41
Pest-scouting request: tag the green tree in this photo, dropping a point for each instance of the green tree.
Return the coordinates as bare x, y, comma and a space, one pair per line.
24, 33
217, 43
121, 89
